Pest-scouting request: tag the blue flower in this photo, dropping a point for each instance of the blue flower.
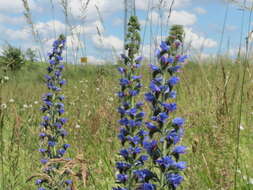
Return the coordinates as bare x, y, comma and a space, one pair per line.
165, 162
68, 182
182, 58
154, 67
164, 46
121, 70
147, 186
180, 165
122, 166
122, 178
170, 107
43, 161
173, 81
38, 181
170, 60
124, 82
154, 87
179, 122
174, 179
150, 146
124, 153
133, 92
173, 94
143, 175
179, 150
174, 136
149, 97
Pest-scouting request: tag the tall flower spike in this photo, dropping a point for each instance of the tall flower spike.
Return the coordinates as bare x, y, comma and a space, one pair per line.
52, 132
131, 115
164, 131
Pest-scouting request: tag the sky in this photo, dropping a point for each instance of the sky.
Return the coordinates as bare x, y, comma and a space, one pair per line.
96, 31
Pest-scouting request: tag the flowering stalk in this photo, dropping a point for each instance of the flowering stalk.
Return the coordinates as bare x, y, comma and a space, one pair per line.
163, 133
52, 133
131, 135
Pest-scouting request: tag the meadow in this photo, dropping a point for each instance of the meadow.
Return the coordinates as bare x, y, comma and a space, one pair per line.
210, 97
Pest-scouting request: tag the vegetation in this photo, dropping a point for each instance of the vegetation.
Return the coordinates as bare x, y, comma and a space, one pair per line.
12, 58
93, 123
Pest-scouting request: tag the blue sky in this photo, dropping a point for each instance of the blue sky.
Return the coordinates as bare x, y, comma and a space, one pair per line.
97, 32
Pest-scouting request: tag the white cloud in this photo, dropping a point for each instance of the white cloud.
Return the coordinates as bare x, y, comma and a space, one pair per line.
182, 18
177, 17
143, 4
231, 28
22, 34
91, 28
107, 43
5, 19
196, 41
95, 7
15, 6
95, 60
200, 10
49, 28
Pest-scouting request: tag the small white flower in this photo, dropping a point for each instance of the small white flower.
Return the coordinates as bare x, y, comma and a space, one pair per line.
251, 181
36, 102
25, 106
111, 99
81, 81
215, 126
77, 126
6, 78
30, 106
4, 106
97, 89
241, 127
11, 100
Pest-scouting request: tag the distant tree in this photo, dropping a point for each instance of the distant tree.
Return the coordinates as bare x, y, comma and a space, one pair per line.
176, 32
30, 55
12, 58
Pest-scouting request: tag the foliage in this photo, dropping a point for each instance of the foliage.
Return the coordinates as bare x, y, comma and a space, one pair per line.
12, 58
31, 55
93, 123
176, 32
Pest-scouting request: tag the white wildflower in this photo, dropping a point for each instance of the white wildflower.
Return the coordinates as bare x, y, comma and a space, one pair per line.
4, 106
241, 127
6, 78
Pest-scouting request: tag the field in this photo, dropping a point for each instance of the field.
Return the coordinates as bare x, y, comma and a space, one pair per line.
211, 100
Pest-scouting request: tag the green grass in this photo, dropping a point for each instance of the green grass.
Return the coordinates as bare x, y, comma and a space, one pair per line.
210, 110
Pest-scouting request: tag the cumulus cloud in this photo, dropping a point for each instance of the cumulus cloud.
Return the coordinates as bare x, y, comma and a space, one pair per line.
23, 34
177, 17
200, 10
107, 42
95, 60
15, 6
95, 8
143, 4
9, 20
196, 41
